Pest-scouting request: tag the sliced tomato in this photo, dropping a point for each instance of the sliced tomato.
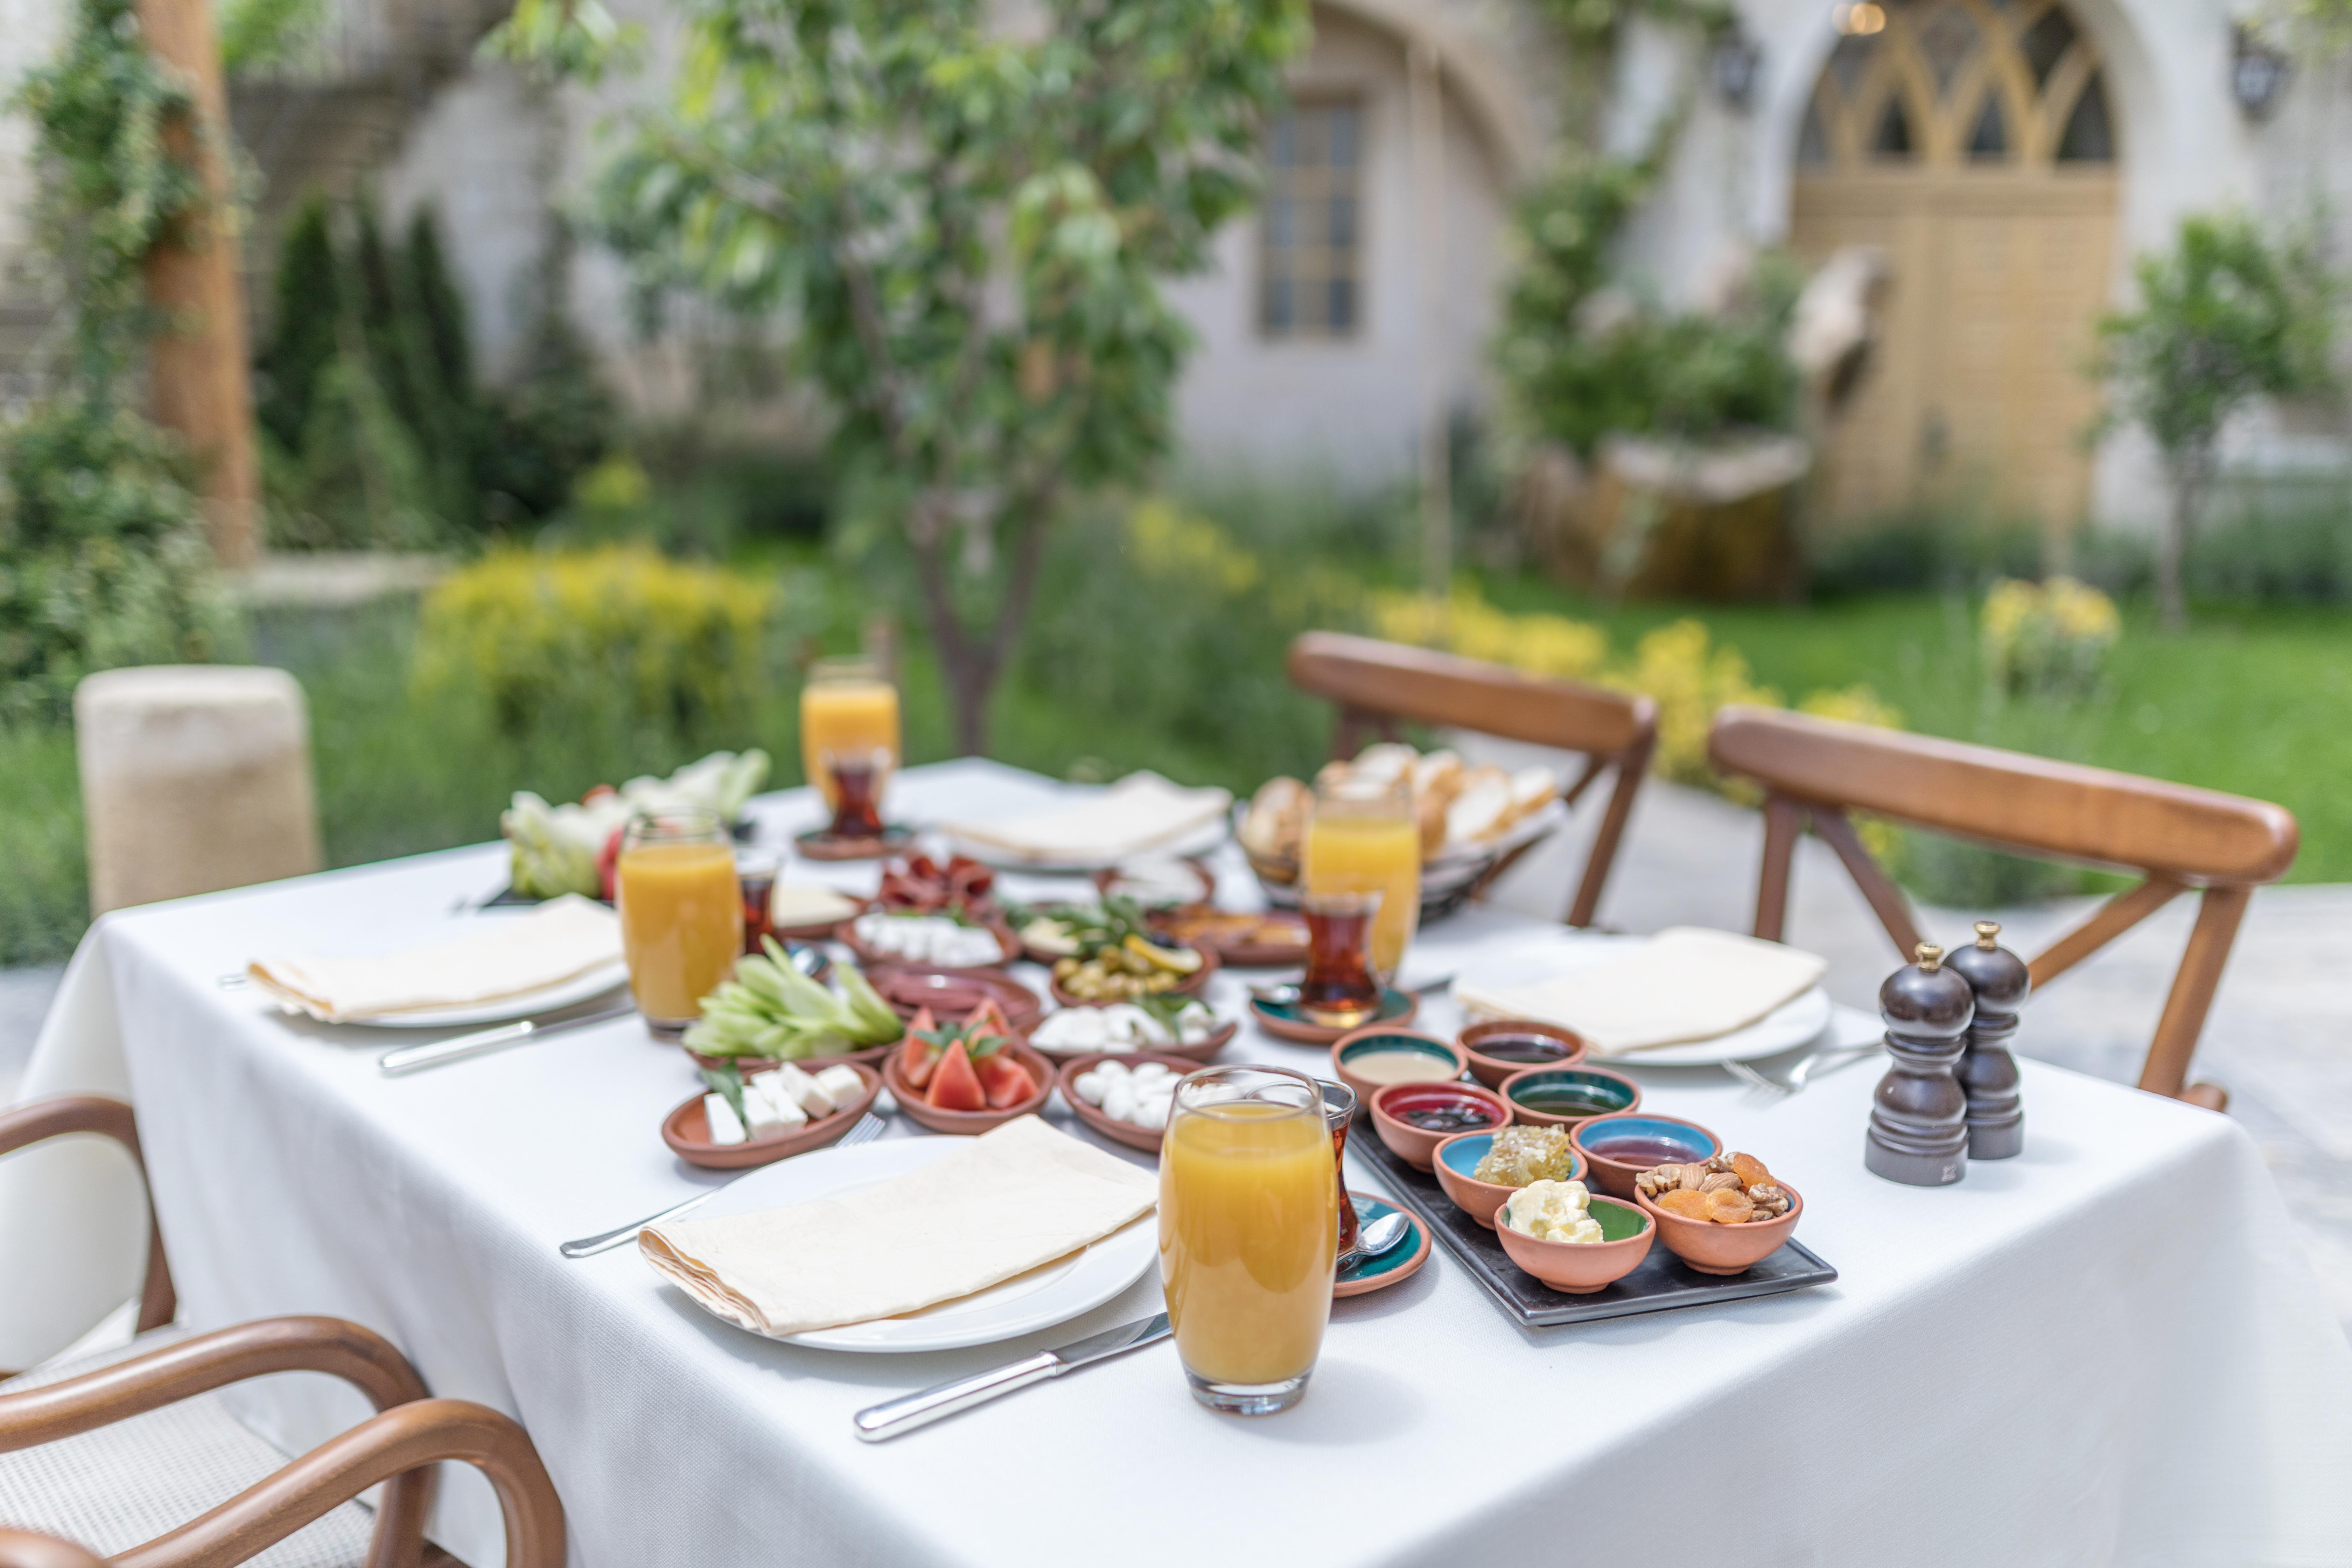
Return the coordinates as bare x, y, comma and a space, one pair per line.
1006, 1081
954, 1085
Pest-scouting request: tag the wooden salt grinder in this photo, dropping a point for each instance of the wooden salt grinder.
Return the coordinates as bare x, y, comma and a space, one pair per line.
1988, 1073
1919, 1116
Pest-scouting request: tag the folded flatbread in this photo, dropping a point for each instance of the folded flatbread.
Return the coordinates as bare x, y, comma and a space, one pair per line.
1141, 811
1684, 984
499, 956
1014, 1199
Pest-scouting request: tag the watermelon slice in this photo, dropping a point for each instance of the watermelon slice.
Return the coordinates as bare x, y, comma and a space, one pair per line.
954, 1085
918, 1055
1005, 1080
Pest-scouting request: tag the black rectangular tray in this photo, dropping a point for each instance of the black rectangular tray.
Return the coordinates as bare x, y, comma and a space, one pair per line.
1661, 1284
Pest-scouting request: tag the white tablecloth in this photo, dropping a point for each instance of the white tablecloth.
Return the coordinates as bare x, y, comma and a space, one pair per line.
2108, 1350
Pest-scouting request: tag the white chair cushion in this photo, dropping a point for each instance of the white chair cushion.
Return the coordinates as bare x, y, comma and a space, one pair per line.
128, 1482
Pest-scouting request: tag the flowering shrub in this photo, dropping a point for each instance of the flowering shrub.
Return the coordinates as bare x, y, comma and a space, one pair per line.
621, 630
2048, 639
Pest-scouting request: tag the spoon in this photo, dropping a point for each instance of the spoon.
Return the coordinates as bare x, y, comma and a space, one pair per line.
1286, 992
1376, 1239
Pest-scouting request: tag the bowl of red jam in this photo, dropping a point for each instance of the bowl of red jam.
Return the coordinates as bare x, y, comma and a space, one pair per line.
1413, 1118
1616, 1149
1501, 1047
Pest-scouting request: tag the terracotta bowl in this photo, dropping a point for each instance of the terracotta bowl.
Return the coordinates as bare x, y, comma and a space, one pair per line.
1375, 1037
1459, 1155
1713, 1249
1580, 1268
1188, 987
870, 1056
955, 993
686, 1131
1198, 1055
1621, 1093
1144, 1137
911, 1100
1417, 1146
1615, 1177
1007, 945
1492, 1070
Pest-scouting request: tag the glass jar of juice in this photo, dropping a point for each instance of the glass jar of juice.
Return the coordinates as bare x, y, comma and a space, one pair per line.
847, 710
681, 913
1249, 1224
1363, 839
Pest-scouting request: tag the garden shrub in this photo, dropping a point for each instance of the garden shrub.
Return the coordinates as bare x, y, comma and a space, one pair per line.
618, 635
2048, 639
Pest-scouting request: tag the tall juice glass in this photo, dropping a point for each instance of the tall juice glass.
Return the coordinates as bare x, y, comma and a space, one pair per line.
681, 913
1363, 839
847, 709
1249, 1222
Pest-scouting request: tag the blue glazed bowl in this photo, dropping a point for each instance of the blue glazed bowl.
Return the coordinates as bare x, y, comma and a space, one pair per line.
1619, 1148
1594, 1092
1459, 1155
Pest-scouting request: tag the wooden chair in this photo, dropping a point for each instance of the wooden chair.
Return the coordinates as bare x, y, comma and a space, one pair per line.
203, 1449
2174, 838
1378, 684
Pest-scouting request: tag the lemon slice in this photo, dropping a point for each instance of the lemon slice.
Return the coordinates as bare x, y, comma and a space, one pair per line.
1174, 960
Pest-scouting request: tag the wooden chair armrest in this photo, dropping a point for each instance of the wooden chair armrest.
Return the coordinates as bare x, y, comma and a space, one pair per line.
394, 1443
44, 1119
19, 1550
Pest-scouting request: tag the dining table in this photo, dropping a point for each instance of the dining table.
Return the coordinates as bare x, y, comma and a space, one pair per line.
2108, 1350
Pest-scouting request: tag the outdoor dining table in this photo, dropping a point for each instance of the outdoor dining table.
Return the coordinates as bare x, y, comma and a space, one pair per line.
2109, 1350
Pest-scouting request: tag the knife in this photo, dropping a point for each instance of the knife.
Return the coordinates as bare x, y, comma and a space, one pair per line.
414, 1058
926, 1405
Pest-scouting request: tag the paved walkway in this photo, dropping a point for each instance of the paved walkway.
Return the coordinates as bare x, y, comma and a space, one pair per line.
2277, 1036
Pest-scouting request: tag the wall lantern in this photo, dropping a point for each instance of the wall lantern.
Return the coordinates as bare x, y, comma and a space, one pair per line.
2257, 74
1739, 60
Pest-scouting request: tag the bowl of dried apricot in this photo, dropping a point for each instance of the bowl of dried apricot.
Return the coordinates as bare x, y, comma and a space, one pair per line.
1720, 1216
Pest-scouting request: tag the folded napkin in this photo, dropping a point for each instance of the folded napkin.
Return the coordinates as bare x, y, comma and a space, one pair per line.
1141, 811
1684, 984
1006, 1202
499, 956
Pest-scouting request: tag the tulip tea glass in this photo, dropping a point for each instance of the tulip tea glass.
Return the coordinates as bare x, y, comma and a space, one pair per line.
1341, 989
681, 913
755, 869
854, 778
847, 708
1363, 838
1248, 1229
1338, 1114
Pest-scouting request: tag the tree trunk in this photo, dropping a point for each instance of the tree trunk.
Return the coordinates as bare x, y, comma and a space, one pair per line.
2189, 475
970, 661
199, 371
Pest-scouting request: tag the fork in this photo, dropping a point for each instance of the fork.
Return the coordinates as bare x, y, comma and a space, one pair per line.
1799, 1074
869, 1128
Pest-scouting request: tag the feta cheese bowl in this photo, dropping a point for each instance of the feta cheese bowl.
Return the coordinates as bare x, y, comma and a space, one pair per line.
937, 941
1180, 1027
1125, 1096
827, 1100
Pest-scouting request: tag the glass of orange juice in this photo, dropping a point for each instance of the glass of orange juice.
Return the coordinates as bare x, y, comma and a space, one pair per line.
1363, 839
1249, 1225
681, 913
847, 710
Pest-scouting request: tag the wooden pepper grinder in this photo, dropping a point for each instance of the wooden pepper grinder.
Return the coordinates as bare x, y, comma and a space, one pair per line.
1919, 1120
1988, 1073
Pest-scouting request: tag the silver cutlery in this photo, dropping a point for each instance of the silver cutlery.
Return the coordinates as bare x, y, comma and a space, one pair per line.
415, 1059
1376, 1240
878, 1422
869, 1128
1802, 1072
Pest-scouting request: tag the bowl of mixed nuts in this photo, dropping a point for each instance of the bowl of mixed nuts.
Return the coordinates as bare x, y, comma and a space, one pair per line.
1720, 1216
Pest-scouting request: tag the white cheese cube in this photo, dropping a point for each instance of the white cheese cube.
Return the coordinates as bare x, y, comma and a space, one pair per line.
770, 1112
803, 1089
726, 1127
841, 1082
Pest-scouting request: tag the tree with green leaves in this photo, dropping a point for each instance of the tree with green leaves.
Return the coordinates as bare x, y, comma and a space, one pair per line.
967, 222
2227, 316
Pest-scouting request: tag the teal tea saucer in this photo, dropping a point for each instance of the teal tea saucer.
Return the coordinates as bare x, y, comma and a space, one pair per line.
1399, 1263
1284, 1021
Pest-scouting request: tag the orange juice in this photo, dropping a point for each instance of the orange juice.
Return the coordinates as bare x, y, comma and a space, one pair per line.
845, 713
681, 925
1249, 1219
1350, 854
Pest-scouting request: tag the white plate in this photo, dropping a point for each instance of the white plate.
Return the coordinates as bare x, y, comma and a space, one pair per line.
546, 999
1037, 1300
1199, 840
1792, 1025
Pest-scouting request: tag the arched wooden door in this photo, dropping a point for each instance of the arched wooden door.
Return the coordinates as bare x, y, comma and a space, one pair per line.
1973, 141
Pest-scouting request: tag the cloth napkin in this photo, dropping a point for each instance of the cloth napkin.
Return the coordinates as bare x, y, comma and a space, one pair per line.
1141, 811
1008, 1201
500, 956
1684, 984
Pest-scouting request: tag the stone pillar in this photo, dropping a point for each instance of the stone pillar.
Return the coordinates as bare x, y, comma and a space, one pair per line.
194, 778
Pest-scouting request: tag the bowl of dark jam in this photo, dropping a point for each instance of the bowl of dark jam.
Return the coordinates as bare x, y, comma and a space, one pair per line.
1413, 1118
1617, 1149
1562, 1097
1501, 1047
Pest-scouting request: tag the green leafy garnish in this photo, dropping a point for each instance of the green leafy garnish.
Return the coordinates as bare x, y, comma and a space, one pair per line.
729, 1080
